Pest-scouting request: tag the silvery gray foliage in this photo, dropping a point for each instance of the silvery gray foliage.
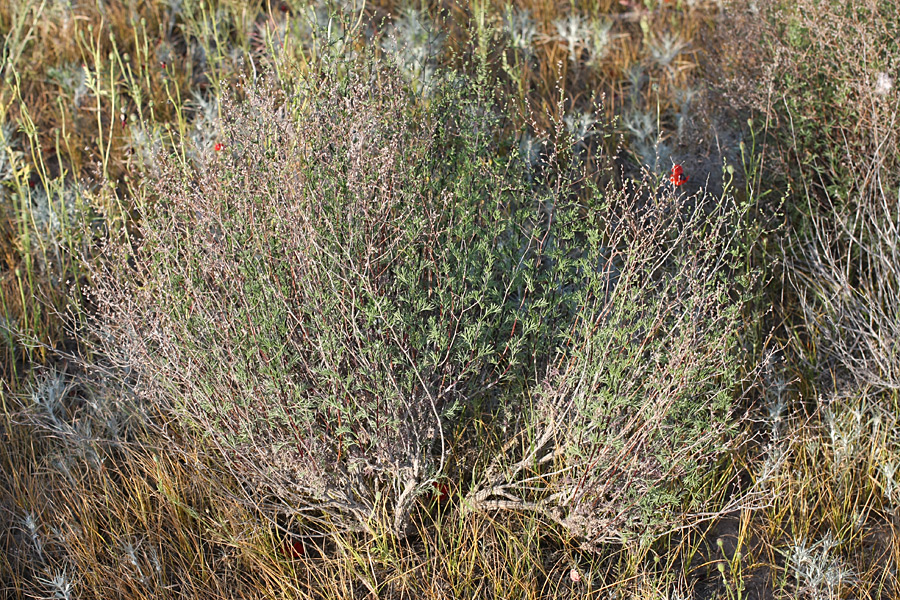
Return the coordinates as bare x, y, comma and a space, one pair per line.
575, 32
581, 34
665, 48
59, 584
415, 43
11, 158
818, 572
86, 413
521, 29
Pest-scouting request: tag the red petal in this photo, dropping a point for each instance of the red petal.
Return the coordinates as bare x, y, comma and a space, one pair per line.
678, 177
441, 491
294, 549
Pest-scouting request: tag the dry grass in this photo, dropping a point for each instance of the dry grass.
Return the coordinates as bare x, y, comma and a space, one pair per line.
104, 495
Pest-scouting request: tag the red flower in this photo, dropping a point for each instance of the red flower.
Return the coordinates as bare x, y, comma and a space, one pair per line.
219, 146
678, 177
441, 491
293, 549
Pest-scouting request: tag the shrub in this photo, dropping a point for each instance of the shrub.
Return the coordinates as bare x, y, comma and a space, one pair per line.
821, 75
350, 269
831, 107
336, 281
842, 107
836, 82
